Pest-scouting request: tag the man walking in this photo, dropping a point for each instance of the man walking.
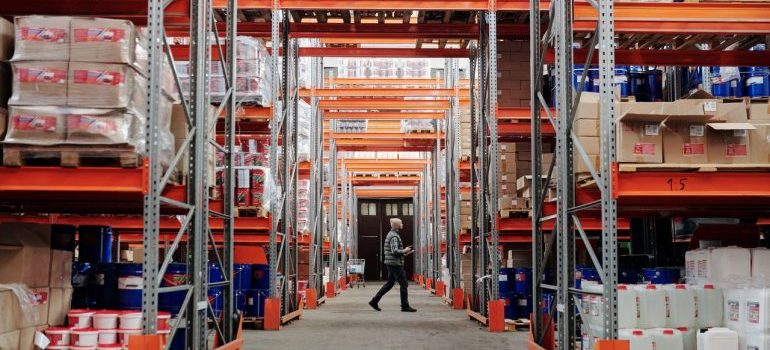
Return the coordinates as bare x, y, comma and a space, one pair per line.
394, 261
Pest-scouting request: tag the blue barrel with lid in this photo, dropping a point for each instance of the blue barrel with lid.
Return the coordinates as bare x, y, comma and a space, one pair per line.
95, 244
80, 281
261, 274
655, 84
757, 82
637, 83
130, 286
511, 305
176, 275
104, 285
242, 277
505, 277
661, 275
255, 302
522, 282
216, 293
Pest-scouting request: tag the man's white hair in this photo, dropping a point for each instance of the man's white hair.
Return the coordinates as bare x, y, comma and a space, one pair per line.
394, 221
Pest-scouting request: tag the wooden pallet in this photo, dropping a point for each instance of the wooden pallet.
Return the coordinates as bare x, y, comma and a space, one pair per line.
254, 322
251, 212
702, 168
71, 156
518, 325
420, 131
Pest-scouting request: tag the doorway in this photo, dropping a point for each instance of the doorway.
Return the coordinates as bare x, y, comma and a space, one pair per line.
373, 226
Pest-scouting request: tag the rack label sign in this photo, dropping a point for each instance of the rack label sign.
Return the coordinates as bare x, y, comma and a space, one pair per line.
651, 129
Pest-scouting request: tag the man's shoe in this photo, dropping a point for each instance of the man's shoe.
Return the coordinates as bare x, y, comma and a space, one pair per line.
374, 306
408, 309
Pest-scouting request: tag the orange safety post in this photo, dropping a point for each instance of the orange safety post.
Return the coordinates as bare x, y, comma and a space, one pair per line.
439, 288
312, 298
421, 280
145, 342
272, 320
343, 283
236, 344
429, 284
330, 290
612, 345
415, 276
457, 298
496, 319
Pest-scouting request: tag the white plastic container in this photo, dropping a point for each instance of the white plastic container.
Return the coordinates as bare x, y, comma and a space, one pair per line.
628, 310
84, 337
730, 265
79, 318
703, 265
757, 310
709, 307
760, 260
125, 334
652, 306
74, 347
592, 304
637, 338
718, 338
689, 338
58, 336
667, 338
108, 336
58, 347
757, 341
691, 265
734, 309
680, 306
105, 319
130, 320
109, 347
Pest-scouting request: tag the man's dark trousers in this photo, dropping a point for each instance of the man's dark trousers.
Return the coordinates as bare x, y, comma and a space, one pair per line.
395, 273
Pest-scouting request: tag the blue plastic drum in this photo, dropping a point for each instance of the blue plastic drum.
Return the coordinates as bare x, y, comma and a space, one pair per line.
758, 82
95, 244
216, 293
255, 302
661, 275
511, 305
104, 285
261, 276
655, 84
176, 275
505, 277
522, 282
242, 277
80, 281
130, 286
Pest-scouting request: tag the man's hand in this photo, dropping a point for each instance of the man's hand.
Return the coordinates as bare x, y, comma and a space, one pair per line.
408, 250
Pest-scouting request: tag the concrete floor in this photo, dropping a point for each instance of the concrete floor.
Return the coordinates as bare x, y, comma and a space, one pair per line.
347, 322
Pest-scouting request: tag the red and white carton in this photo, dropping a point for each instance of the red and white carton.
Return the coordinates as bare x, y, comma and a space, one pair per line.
79, 318
163, 321
130, 320
108, 336
106, 319
84, 337
82, 347
58, 335
109, 347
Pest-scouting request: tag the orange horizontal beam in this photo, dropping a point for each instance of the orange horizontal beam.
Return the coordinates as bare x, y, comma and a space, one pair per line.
374, 161
390, 81
384, 193
383, 115
134, 223
376, 136
239, 238
384, 167
380, 92
395, 104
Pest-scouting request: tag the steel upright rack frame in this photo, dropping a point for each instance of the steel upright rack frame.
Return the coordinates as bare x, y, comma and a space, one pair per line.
316, 216
559, 34
195, 308
484, 164
452, 177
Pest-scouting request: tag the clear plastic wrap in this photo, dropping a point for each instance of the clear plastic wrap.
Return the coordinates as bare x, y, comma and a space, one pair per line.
304, 112
105, 85
255, 187
42, 38
39, 83
28, 300
417, 125
36, 125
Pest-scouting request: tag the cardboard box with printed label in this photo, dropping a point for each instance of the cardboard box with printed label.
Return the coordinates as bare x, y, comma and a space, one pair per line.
58, 305
9, 340
638, 132
729, 143
685, 139
42, 38
759, 112
759, 140
39, 83
61, 269
102, 40
105, 85
36, 125
27, 337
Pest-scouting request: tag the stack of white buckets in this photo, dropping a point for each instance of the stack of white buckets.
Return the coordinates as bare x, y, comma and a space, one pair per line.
725, 305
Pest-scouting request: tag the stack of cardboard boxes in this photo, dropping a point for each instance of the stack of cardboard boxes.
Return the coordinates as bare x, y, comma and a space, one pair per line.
513, 76
39, 263
695, 131
516, 164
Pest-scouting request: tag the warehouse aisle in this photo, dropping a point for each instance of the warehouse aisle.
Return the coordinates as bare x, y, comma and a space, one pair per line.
348, 323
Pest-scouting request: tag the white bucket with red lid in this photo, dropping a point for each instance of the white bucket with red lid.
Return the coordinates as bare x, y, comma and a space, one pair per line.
58, 347
130, 320
79, 318
58, 336
125, 334
106, 319
163, 321
109, 347
84, 337
108, 336
82, 348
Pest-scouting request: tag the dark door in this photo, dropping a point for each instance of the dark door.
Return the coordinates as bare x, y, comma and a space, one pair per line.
373, 226
369, 237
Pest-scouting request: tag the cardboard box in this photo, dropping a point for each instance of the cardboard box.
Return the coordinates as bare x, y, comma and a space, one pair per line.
36, 125
728, 143
105, 85
638, 132
586, 127
27, 337
588, 107
759, 112
39, 83
61, 269
760, 142
42, 38
58, 305
25, 255
685, 139
15, 317
102, 40
178, 128
9, 340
